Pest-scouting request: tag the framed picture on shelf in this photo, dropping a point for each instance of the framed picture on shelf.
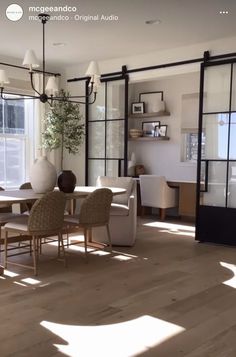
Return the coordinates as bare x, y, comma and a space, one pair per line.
163, 130
148, 127
153, 101
138, 108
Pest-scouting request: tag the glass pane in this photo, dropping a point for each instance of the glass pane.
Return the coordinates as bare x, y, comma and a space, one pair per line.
1, 117
95, 168
233, 104
116, 99
15, 162
112, 168
115, 139
217, 89
96, 140
2, 162
14, 117
232, 185
97, 110
216, 185
232, 147
216, 135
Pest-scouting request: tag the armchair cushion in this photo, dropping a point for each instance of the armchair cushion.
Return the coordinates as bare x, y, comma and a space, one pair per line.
119, 210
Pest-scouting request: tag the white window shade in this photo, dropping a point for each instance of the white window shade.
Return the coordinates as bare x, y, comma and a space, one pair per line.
190, 110
19, 86
16, 141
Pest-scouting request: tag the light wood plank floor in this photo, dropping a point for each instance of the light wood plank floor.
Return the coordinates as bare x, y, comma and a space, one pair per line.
167, 296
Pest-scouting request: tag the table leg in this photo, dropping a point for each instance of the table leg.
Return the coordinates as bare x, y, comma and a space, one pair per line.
72, 206
1, 267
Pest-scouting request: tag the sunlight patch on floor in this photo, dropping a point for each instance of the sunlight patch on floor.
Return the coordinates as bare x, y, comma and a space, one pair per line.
100, 252
121, 257
128, 338
176, 232
31, 281
170, 226
231, 282
10, 274
173, 228
78, 248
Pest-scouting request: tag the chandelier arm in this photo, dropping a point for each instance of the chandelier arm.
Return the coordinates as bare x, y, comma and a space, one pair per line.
76, 96
76, 102
32, 83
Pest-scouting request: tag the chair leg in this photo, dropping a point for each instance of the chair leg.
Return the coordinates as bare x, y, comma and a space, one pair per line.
67, 237
85, 243
60, 241
162, 213
5, 249
40, 245
58, 249
30, 244
35, 255
90, 235
109, 237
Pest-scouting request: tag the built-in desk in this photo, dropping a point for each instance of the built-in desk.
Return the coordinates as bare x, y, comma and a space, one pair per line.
187, 196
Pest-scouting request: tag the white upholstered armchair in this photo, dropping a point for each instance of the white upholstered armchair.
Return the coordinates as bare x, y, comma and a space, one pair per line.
123, 214
155, 192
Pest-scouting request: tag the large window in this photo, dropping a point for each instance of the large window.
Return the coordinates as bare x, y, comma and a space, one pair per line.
190, 146
16, 141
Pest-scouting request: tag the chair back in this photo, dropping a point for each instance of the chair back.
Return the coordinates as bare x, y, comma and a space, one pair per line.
95, 209
153, 190
121, 182
26, 186
24, 207
47, 214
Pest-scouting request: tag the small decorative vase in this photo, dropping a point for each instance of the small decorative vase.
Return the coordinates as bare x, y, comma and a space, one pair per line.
43, 175
66, 181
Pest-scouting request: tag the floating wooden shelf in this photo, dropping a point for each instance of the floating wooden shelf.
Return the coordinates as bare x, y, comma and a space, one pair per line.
150, 115
150, 138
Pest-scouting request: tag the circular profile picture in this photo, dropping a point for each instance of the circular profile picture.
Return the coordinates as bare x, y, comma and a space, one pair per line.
14, 12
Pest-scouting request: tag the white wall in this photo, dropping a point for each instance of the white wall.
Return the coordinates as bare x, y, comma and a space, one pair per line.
172, 96
164, 157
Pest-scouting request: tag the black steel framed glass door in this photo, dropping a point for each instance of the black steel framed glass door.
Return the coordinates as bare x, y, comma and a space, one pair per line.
216, 178
107, 130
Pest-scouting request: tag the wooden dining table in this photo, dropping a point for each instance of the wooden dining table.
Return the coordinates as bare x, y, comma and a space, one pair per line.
10, 197
20, 196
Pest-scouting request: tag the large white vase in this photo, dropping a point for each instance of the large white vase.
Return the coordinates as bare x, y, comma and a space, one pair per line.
43, 175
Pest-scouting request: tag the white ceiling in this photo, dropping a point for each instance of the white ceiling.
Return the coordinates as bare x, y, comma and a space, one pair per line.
183, 22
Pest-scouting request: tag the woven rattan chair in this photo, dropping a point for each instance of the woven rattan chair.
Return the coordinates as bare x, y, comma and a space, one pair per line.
94, 212
45, 218
26, 207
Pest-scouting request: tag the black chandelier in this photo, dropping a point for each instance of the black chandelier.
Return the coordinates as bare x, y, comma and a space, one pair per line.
50, 89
